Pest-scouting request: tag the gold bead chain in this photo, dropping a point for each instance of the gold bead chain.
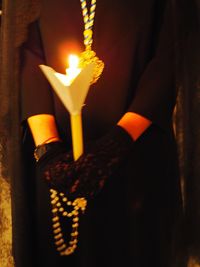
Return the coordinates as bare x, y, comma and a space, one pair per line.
59, 203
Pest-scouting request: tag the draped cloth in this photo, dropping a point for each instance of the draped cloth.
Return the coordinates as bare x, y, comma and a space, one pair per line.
14, 221
14, 214
186, 119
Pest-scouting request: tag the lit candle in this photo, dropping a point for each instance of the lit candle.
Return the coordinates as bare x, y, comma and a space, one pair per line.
72, 89
73, 71
76, 122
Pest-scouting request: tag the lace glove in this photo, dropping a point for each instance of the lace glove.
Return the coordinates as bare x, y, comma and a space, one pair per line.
86, 176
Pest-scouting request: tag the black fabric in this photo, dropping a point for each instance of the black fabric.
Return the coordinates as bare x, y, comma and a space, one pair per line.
32, 78
147, 52
150, 100
133, 220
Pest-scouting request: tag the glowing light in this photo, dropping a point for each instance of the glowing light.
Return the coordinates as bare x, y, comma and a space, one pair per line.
71, 72
73, 61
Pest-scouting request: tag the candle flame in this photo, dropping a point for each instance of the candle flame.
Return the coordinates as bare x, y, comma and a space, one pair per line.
73, 61
71, 72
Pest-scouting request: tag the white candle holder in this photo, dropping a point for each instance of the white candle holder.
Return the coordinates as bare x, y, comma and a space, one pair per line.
72, 93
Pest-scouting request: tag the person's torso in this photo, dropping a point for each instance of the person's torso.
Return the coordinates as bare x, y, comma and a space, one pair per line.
123, 38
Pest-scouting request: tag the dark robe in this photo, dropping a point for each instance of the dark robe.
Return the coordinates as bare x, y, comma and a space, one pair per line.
133, 220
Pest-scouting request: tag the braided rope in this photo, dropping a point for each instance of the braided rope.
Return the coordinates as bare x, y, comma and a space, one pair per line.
88, 22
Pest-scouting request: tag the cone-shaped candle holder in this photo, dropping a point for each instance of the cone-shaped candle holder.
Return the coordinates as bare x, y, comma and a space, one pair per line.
72, 97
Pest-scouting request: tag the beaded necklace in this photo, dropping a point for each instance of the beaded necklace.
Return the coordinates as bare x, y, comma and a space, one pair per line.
60, 203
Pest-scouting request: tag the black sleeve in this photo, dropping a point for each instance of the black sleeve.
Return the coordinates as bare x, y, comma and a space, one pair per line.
36, 94
156, 91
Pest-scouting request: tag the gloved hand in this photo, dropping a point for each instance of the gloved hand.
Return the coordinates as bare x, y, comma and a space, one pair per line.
86, 176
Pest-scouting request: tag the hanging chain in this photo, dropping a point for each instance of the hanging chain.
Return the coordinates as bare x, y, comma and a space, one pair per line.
61, 205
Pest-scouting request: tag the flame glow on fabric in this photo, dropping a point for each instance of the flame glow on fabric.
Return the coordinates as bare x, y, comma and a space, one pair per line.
72, 90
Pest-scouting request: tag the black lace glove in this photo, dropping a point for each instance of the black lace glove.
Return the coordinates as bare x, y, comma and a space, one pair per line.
86, 176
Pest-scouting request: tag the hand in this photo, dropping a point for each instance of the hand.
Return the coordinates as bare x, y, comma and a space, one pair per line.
86, 176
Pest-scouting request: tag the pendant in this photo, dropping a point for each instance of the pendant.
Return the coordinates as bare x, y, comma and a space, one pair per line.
89, 56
